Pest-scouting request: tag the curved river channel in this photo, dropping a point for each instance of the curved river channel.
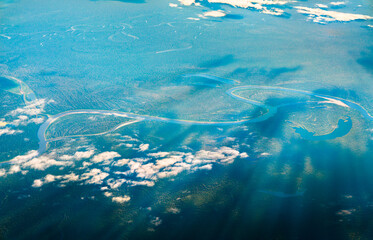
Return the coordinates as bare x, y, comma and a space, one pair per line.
343, 128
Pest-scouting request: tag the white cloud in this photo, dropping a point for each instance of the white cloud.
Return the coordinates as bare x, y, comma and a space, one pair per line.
172, 5
14, 169
346, 212
143, 147
105, 157
22, 158
156, 221
37, 183
43, 162
173, 210
121, 162
72, 177
337, 3
169, 164
323, 16
121, 199
108, 194
254, 4
79, 155
218, 13
24, 120
8, 131
33, 108
114, 184
94, 176
2, 172
243, 155
49, 178
187, 2
321, 5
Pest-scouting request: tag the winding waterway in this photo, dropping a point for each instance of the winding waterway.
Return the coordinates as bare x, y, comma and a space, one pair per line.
343, 128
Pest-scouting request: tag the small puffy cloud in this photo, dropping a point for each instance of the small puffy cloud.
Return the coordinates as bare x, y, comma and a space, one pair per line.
108, 194
122, 199
105, 157
143, 147
121, 162
187, 2
346, 212
172, 5
47, 179
337, 3
114, 184
173, 210
159, 154
2, 172
243, 155
156, 221
24, 120
324, 16
218, 13
22, 158
321, 5
72, 177
43, 162
94, 176
35, 107
8, 131
205, 167
79, 155
37, 183
14, 169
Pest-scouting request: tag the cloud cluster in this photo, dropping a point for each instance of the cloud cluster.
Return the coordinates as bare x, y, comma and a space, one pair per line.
111, 171
33, 108
324, 16
121, 199
79, 155
105, 157
8, 131
255, 4
23, 117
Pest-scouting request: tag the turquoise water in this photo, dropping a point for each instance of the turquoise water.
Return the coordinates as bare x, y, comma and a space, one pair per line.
213, 121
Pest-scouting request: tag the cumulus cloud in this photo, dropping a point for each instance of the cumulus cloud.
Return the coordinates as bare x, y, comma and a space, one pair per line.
72, 177
173, 210
337, 3
218, 13
187, 2
26, 157
324, 16
14, 169
8, 131
105, 157
79, 155
24, 120
255, 4
122, 199
345, 212
33, 108
121, 162
37, 183
43, 162
94, 176
156, 221
143, 147
108, 194
145, 171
